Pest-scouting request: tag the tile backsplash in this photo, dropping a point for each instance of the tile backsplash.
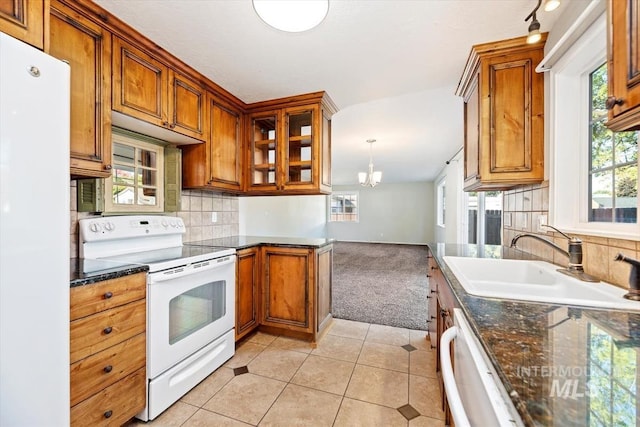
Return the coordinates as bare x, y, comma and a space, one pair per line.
197, 208
521, 209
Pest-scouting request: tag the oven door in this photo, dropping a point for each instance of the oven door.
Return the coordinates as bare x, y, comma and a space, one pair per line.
188, 308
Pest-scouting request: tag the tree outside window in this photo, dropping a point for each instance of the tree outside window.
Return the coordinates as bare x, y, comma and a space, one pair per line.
613, 171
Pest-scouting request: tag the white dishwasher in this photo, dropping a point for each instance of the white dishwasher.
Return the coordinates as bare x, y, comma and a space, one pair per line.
475, 394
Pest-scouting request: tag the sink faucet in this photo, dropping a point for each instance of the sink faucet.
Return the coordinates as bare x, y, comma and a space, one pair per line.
574, 254
634, 277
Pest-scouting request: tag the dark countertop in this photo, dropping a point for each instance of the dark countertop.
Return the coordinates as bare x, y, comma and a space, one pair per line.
88, 271
243, 242
561, 365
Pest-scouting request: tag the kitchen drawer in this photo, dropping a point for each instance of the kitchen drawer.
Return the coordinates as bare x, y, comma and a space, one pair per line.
95, 333
90, 375
114, 405
90, 299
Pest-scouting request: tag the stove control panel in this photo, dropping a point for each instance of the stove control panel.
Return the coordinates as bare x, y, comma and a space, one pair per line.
125, 227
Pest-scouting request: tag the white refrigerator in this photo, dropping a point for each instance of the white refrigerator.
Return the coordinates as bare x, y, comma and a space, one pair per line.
34, 236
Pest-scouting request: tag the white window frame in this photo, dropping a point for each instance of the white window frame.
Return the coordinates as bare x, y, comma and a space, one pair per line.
343, 193
441, 200
568, 126
108, 187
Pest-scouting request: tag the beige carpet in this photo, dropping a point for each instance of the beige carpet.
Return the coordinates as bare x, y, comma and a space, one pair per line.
379, 283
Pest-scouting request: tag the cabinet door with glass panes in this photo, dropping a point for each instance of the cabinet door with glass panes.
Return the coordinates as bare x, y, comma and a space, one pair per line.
264, 158
301, 136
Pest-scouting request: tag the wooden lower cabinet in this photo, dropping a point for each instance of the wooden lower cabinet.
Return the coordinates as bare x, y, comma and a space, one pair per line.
108, 351
284, 290
445, 302
287, 291
433, 276
324, 279
247, 288
114, 405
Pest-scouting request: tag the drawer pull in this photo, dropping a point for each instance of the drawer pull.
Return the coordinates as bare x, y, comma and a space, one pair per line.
108, 295
108, 369
108, 414
107, 330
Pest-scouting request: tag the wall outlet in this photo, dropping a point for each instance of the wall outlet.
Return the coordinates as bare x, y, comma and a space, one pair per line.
214, 216
542, 220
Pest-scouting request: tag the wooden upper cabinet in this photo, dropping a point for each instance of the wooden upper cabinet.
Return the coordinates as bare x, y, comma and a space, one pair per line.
186, 105
147, 89
140, 84
624, 65
25, 20
290, 145
87, 48
503, 115
216, 164
264, 151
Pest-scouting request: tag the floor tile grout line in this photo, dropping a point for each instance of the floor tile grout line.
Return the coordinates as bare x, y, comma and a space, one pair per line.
355, 364
286, 385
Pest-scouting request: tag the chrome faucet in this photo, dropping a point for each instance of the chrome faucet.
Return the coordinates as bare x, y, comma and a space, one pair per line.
574, 254
634, 277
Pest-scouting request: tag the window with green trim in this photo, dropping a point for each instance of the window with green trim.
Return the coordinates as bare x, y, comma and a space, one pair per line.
137, 178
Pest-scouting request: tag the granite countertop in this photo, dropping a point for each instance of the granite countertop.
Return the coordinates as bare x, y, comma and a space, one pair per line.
88, 271
243, 242
561, 365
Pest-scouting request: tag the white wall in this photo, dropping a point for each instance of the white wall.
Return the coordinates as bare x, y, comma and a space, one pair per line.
453, 225
286, 216
392, 213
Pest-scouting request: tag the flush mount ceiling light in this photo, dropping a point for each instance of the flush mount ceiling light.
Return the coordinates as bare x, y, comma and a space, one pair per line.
370, 178
293, 16
534, 28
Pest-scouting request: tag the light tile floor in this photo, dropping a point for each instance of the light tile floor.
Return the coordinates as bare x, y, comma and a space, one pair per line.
360, 374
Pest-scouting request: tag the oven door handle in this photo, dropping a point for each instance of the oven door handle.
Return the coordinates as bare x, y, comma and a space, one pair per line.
193, 268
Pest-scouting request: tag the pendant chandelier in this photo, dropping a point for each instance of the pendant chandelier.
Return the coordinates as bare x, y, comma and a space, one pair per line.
370, 178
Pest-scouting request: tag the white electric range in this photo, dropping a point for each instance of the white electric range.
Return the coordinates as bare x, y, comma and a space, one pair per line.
190, 299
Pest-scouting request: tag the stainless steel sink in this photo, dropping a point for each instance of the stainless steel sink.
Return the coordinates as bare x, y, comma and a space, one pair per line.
533, 281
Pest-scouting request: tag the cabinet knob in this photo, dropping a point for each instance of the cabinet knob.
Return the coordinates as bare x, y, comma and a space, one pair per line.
107, 330
172, 126
444, 312
107, 369
428, 275
428, 296
433, 291
107, 167
165, 124
108, 295
434, 268
612, 101
108, 414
